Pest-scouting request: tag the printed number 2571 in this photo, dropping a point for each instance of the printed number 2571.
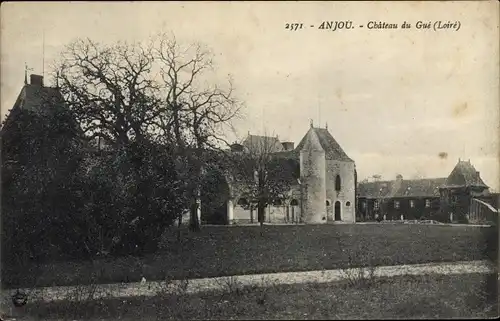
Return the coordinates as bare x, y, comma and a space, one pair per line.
293, 26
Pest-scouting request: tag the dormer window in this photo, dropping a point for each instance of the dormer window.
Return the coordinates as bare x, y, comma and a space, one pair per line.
337, 183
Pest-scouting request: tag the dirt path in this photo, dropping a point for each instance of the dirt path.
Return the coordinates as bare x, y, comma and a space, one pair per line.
222, 283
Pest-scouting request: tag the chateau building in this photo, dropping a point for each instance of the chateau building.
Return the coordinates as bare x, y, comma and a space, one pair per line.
322, 187
321, 182
35, 97
461, 197
399, 198
461, 191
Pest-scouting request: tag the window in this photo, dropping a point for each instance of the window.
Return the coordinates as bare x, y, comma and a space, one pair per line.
294, 202
242, 202
376, 205
396, 204
412, 203
337, 183
427, 203
348, 203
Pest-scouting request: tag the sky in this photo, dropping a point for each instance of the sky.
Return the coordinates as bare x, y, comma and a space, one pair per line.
409, 102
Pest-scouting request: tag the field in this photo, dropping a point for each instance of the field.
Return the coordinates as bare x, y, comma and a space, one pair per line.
408, 297
222, 251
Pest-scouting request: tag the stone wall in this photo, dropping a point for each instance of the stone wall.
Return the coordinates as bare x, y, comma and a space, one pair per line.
346, 195
312, 177
274, 214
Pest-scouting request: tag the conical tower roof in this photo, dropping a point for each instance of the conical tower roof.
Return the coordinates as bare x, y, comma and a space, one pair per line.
326, 141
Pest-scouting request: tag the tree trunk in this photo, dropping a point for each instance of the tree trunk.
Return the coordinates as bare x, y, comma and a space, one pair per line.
261, 217
194, 222
260, 213
261, 208
179, 228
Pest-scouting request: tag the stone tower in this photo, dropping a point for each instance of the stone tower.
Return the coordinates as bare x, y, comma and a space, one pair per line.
328, 179
313, 179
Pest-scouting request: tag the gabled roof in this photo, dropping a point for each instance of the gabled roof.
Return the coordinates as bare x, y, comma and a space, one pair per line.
428, 187
34, 97
332, 149
464, 174
262, 144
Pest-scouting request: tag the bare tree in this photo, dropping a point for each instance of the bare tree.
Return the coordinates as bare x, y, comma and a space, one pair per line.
160, 91
199, 110
110, 89
265, 174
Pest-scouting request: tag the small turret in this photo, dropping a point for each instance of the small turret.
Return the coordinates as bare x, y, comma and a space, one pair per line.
313, 179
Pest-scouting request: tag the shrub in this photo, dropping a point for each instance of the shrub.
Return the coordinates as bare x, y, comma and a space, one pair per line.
174, 297
360, 269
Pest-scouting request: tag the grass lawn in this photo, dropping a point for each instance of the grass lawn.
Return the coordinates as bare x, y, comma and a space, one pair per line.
407, 297
222, 251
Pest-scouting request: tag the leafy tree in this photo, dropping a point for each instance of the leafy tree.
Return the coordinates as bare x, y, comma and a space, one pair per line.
41, 153
161, 91
135, 193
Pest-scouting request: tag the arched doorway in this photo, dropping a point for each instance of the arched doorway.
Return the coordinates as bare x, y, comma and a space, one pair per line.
337, 211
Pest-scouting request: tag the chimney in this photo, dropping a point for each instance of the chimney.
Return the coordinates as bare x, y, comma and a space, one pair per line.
36, 80
477, 174
287, 146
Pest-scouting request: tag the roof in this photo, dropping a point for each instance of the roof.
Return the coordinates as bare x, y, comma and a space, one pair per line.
33, 97
464, 174
262, 144
286, 170
36, 97
428, 187
332, 149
